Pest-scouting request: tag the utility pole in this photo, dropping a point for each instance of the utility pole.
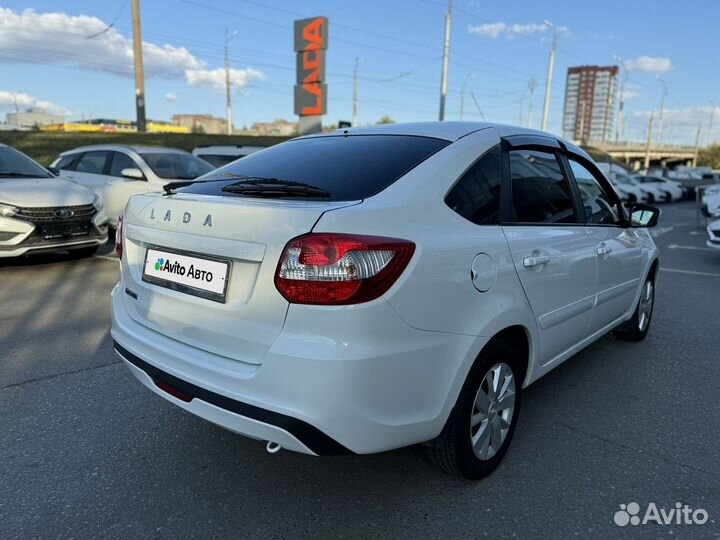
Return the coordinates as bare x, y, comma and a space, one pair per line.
446, 57
710, 125
355, 92
531, 85
662, 108
139, 73
462, 94
621, 107
520, 108
648, 142
697, 145
477, 104
228, 86
551, 67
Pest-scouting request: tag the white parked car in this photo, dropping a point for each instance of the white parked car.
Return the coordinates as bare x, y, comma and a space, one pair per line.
669, 189
713, 230
39, 212
330, 304
219, 156
117, 172
711, 201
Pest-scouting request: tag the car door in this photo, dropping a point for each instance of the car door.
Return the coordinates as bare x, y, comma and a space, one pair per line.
550, 246
118, 188
618, 254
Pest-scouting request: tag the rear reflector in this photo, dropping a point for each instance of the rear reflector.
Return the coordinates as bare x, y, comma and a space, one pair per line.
174, 392
338, 269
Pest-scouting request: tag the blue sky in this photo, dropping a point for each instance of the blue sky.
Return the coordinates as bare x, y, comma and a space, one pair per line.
47, 59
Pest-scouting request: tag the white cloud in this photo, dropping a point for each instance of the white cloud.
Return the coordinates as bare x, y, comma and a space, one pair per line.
59, 38
497, 29
649, 64
215, 78
11, 100
170, 97
679, 125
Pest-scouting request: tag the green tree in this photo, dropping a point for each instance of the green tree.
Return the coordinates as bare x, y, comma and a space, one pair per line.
386, 120
709, 156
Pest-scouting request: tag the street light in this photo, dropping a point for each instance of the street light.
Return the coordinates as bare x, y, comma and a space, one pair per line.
228, 90
662, 108
712, 115
551, 66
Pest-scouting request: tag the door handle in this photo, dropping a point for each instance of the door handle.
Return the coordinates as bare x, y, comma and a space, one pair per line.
604, 251
530, 262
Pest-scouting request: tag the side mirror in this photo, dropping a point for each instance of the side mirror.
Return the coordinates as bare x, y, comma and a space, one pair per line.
54, 171
643, 215
133, 174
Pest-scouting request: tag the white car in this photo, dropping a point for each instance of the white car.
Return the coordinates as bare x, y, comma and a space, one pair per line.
117, 172
219, 156
330, 304
711, 201
713, 230
670, 189
39, 212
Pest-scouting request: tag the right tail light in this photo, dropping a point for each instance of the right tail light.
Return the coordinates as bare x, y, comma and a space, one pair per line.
340, 269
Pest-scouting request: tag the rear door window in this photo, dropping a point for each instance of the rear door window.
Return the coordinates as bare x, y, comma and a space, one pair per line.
348, 167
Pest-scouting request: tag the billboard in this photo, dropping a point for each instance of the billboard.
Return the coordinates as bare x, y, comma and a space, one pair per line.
311, 41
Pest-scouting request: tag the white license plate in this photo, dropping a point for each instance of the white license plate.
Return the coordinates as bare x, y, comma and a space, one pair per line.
190, 274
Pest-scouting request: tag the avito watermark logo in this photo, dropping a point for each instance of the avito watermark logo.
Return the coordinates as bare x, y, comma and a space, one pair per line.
680, 514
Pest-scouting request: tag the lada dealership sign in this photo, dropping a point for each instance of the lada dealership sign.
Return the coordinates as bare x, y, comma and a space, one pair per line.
311, 41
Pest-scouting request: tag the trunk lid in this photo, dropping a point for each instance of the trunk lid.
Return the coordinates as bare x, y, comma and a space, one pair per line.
250, 233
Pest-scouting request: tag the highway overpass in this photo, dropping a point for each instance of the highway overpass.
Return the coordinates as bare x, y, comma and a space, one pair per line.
634, 154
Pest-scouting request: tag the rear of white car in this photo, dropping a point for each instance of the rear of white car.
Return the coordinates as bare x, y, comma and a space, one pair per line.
275, 347
334, 294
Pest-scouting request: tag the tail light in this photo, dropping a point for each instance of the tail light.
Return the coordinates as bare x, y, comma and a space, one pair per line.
338, 269
119, 240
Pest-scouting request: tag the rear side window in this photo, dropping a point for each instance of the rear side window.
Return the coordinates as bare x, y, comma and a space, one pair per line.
67, 163
540, 190
476, 196
350, 168
93, 162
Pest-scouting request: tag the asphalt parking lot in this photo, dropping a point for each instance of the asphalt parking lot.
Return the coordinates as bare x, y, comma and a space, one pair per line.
86, 451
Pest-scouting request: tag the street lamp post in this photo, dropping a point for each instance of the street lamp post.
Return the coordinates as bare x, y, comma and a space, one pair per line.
551, 67
662, 108
621, 106
228, 86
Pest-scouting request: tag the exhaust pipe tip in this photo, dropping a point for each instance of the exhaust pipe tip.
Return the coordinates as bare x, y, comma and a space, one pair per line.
273, 447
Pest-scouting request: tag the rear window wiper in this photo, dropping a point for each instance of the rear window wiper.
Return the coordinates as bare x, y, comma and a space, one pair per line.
274, 187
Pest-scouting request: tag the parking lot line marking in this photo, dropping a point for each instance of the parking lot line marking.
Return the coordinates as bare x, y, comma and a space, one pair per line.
693, 248
105, 257
692, 272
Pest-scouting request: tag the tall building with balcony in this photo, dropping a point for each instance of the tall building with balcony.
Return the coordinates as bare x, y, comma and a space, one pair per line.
589, 111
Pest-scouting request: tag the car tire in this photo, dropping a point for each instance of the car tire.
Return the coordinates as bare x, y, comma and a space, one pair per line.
632, 199
651, 198
668, 197
474, 441
82, 253
636, 328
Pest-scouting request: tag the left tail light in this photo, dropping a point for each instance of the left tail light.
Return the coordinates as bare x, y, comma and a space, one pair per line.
119, 239
340, 269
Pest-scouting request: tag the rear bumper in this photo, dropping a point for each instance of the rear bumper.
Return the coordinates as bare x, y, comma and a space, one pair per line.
367, 382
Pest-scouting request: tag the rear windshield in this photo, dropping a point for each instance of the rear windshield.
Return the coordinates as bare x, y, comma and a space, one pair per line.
349, 168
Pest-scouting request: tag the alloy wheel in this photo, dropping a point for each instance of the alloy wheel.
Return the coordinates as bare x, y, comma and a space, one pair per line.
492, 411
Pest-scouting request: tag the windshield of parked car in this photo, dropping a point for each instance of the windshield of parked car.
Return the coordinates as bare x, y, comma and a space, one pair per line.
176, 166
347, 168
14, 164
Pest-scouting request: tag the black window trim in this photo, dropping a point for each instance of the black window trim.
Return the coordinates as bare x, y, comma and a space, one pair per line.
548, 145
